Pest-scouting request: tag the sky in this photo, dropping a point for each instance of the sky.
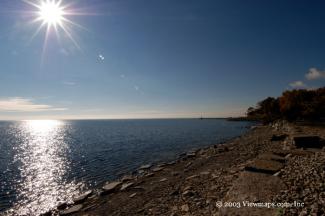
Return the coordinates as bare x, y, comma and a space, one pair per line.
156, 58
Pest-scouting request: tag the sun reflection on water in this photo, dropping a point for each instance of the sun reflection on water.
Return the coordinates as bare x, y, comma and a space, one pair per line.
43, 164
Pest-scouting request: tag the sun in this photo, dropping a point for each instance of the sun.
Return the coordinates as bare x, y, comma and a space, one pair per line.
54, 16
51, 13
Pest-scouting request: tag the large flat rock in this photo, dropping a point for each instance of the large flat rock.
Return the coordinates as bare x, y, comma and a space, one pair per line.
253, 187
272, 157
264, 166
281, 152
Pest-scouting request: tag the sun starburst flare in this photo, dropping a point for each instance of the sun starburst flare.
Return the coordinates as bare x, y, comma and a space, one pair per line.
53, 15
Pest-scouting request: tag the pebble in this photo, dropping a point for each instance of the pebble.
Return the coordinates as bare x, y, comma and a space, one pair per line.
185, 208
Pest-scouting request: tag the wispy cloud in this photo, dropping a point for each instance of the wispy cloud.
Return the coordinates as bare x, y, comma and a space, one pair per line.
137, 88
19, 104
314, 74
69, 83
298, 84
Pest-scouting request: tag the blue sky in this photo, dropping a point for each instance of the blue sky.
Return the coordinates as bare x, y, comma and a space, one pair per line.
158, 59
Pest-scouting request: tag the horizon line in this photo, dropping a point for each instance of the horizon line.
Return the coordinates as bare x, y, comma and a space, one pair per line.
71, 119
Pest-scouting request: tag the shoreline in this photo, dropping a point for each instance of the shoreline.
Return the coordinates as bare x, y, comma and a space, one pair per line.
194, 182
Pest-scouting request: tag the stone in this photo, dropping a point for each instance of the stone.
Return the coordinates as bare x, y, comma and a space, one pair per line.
281, 153
139, 188
82, 197
274, 157
147, 166
188, 193
303, 213
157, 169
163, 179
126, 186
188, 164
264, 166
205, 173
110, 187
174, 193
150, 174
190, 154
88, 208
277, 173
127, 178
133, 195
171, 163
71, 210
185, 208
192, 177
62, 205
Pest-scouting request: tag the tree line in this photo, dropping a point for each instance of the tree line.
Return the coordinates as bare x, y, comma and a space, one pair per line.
293, 105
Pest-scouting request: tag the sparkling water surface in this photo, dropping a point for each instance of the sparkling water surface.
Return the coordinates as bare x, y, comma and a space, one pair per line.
45, 162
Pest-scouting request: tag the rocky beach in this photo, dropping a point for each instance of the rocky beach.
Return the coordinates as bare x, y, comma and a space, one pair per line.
277, 169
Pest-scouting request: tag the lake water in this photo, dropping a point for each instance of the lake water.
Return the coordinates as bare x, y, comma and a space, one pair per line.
43, 163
